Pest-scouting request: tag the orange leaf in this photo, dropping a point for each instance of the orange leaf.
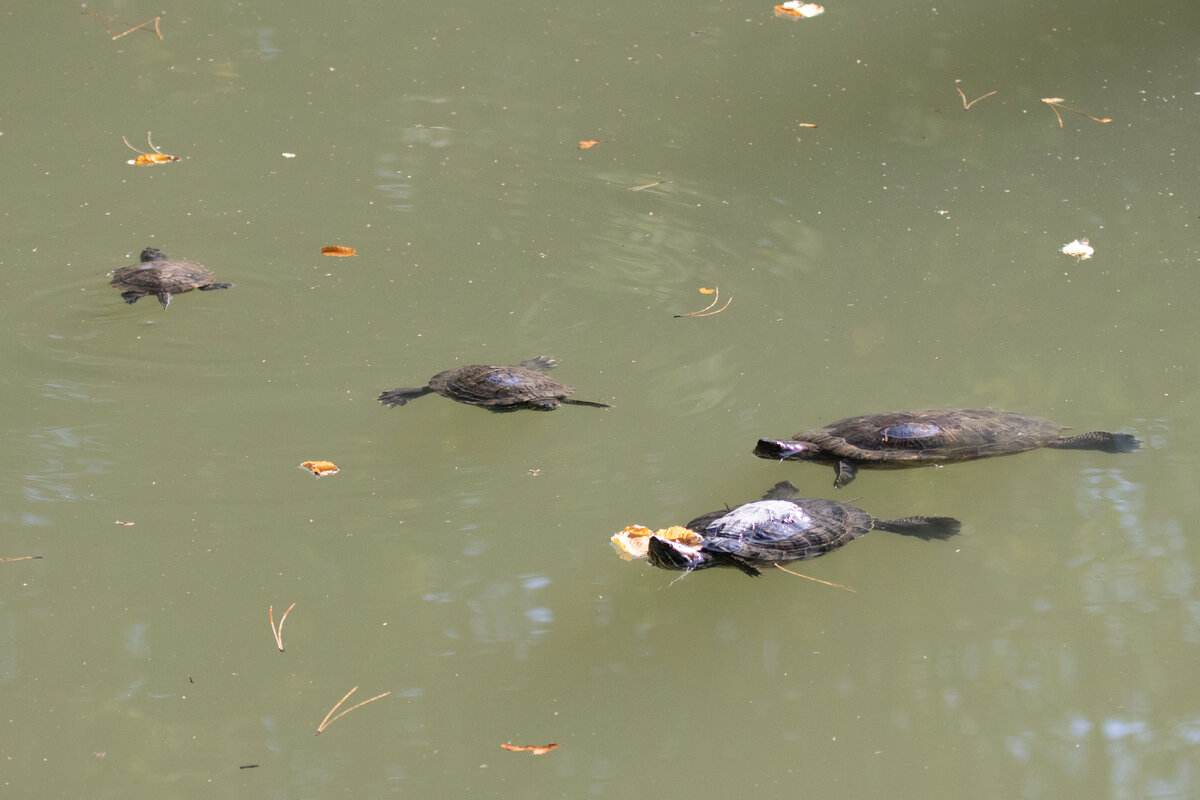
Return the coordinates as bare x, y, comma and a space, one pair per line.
537, 750
807, 125
338, 250
706, 291
321, 468
588, 144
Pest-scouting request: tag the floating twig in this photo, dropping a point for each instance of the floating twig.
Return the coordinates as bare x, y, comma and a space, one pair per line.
967, 105
278, 631
1056, 103
325, 723
17, 558
645, 186
818, 580
105, 20
705, 312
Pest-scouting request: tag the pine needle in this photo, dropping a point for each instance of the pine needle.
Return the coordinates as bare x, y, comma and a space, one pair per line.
818, 580
705, 312
325, 723
967, 105
278, 631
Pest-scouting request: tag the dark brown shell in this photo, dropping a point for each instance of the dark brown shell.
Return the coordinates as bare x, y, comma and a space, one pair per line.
152, 277
925, 435
493, 386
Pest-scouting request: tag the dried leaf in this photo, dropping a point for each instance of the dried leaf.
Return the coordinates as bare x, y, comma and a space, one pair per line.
537, 750
807, 125
634, 541
588, 144
797, 10
340, 251
707, 291
148, 159
321, 468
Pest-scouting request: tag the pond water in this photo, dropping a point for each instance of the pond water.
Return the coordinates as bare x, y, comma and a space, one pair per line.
903, 253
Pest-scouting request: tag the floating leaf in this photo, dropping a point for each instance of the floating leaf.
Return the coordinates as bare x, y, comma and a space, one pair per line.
321, 468
588, 144
797, 10
537, 750
634, 541
148, 159
340, 251
707, 291
807, 125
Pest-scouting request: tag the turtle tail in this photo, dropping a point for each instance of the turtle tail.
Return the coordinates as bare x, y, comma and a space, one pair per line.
571, 402
1103, 441
927, 528
398, 397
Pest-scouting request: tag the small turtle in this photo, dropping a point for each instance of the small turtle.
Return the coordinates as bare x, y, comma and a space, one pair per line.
899, 439
782, 527
496, 388
162, 277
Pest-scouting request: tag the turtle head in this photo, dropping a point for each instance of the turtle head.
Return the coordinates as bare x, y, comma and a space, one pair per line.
153, 254
544, 404
671, 554
786, 450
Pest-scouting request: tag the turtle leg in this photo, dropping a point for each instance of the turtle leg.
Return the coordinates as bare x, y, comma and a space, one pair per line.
927, 528
131, 297
1098, 440
212, 286
744, 565
398, 397
846, 472
164, 298
541, 363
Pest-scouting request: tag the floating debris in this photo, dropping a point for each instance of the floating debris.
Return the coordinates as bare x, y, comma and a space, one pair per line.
340, 251
1080, 248
706, 312
325, 723
1056, 103
537, 750
321, 468
634, 541
967, 105
148, 159
278, 631
797, 10
107, 22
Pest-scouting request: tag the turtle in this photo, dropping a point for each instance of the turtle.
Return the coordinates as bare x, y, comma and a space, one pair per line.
496, 388
782, 527
898, 439
162, 277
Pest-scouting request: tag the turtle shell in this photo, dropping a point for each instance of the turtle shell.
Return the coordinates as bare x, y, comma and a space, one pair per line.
157, 273
492, 386
941, 435
782, 527
783, 530
162, 277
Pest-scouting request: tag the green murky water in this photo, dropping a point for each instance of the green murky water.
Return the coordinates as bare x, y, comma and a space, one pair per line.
902, 254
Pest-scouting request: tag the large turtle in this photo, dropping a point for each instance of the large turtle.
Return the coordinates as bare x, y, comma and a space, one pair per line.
898, 439
162, 277
496, 388
782, 527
